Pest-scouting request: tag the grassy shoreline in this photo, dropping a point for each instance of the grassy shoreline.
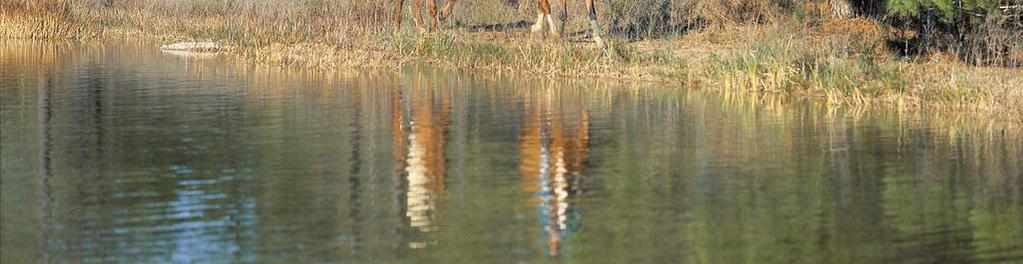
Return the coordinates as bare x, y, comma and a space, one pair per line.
839, 64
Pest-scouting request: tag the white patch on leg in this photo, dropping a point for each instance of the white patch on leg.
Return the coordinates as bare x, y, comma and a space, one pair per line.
552, 27
538, 26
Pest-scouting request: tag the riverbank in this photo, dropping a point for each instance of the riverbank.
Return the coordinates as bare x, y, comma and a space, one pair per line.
840, 63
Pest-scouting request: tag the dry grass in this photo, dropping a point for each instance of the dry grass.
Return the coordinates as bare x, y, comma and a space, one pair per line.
43, 19
849, 67
761, 51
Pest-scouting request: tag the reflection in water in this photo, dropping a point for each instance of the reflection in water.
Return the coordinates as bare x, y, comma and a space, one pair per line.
424, 164
45, 146
552, 157
121, 154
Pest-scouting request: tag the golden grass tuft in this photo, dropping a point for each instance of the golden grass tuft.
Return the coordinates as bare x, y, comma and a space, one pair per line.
40, 25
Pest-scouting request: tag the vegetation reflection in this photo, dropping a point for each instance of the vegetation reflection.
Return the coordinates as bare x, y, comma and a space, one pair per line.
111, 158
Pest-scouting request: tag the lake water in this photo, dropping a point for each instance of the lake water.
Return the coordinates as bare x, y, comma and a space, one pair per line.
119, 153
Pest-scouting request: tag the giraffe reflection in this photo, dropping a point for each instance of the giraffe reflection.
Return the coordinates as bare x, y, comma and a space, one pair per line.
554, 148
419, 151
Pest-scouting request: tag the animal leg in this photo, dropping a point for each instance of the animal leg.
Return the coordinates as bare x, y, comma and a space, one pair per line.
397, 13
446, 11
594, 26
552, 27
417, 11
538, 25
562, 17
433, 15
543, 10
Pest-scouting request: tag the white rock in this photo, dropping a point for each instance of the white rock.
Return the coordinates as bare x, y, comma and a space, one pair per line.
190, 54
193, 47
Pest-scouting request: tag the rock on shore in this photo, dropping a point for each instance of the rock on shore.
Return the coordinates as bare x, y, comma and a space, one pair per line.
192, 47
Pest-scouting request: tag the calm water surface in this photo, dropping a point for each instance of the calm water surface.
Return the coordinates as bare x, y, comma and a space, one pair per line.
118, 153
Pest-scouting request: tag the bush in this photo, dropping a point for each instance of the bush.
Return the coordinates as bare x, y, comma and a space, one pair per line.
979, 31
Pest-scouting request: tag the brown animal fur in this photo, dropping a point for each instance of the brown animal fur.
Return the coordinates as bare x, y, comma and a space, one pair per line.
544, 18
417, 13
